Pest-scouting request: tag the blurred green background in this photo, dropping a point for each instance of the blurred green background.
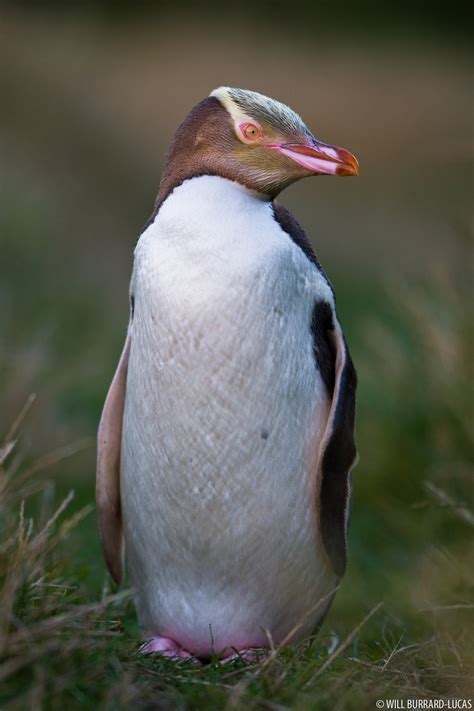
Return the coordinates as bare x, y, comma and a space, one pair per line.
89, 98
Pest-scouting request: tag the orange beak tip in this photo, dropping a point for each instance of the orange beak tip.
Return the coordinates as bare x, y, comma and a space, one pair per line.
348, 170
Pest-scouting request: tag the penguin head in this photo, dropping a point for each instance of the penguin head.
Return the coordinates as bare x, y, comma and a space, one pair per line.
274, 143
250, 138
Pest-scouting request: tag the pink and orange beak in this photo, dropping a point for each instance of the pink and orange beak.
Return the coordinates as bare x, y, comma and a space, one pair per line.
320, 158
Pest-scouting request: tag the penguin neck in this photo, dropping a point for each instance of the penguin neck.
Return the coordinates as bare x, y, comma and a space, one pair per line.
213, 215
168, 186
211, 195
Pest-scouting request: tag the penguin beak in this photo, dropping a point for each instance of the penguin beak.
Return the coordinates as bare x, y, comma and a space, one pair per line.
320, 158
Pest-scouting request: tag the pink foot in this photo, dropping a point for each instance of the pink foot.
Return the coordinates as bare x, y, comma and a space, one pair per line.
250, 655
166, 647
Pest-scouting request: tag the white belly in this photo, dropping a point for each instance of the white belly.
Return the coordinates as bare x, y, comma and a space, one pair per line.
224, 403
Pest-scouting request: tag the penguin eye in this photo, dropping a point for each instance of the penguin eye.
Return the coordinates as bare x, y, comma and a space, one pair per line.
250, 131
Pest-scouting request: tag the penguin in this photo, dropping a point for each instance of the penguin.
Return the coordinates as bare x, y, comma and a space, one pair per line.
226, 441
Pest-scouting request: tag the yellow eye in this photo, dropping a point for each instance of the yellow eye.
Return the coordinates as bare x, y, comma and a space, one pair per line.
250, 131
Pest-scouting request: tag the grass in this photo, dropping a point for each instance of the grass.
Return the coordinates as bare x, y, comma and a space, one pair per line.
400, 625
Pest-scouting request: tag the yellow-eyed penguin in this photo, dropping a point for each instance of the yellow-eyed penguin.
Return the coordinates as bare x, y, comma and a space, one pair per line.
227, 436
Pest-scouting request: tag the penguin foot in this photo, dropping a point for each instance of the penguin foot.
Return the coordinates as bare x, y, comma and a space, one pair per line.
251, 655
167, 648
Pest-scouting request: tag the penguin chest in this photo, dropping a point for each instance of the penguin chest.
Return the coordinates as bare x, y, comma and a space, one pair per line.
224, 403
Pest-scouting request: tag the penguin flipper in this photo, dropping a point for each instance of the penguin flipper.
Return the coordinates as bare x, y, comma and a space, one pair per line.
336, 450
109, 440
338, 455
